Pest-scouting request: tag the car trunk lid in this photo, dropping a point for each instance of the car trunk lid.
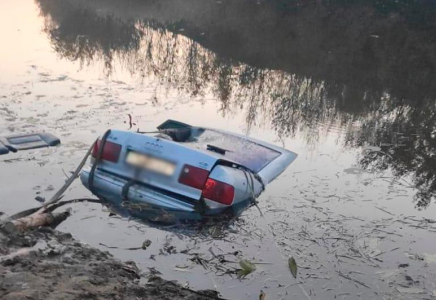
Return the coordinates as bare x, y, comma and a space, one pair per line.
157, 163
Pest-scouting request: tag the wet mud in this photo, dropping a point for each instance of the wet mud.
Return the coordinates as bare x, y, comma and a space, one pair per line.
47, 264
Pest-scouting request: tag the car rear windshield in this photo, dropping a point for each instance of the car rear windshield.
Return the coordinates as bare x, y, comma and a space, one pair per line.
244, 152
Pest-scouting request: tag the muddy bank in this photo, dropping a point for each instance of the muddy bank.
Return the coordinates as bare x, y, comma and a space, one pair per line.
47, 264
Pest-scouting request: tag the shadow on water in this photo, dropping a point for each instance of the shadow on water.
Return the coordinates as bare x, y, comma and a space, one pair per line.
300, 67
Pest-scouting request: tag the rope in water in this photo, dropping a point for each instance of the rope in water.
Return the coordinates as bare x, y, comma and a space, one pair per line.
57, 196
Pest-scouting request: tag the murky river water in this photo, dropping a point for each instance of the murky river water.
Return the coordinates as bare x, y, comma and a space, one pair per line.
351, 94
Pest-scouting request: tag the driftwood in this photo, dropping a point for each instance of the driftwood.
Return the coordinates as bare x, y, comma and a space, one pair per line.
41, 217
19, 252
35, 221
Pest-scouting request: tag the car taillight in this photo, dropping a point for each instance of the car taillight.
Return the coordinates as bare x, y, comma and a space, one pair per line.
193, 176
218, 191
111, 151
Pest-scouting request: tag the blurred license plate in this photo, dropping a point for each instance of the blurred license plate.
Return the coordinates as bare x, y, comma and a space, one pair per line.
150, 163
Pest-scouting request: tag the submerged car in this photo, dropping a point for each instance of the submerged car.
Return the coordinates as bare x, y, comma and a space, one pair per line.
182, 168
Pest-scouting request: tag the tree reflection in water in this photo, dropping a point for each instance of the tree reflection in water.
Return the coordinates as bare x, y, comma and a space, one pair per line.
314, 68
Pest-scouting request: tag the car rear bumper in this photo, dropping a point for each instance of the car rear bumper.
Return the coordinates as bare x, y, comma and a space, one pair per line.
110, 188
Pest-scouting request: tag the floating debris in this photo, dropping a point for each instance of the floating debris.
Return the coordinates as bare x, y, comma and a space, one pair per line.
293, 266
146, 244
40, 199
247, 268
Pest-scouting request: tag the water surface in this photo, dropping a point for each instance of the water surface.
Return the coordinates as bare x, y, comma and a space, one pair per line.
348, 87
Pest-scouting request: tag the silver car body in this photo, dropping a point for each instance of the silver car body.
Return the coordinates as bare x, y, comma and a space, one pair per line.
247, 164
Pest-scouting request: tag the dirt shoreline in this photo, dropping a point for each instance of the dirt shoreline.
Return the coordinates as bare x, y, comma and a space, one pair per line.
48, 264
